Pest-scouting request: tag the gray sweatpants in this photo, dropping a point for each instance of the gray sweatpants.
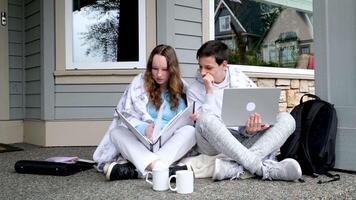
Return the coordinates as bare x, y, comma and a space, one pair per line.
214, 138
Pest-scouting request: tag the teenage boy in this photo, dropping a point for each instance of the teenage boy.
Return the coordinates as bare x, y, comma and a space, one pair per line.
250, 146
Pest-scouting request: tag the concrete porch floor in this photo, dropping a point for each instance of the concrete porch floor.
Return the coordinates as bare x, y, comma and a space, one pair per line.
92, 185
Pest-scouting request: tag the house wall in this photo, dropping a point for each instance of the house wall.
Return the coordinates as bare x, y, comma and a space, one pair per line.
64, 113
16, 58
86, 101
180, 23
32, 53
188, 34
78, 113
24, 68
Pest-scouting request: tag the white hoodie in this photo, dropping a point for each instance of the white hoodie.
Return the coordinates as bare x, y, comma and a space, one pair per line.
133, 105
213, 102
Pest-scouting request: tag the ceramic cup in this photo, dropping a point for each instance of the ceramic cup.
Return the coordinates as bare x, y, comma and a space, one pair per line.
184, 182
159, 178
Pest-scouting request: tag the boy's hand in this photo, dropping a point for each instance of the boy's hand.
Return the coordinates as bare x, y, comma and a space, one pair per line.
254, 124
208, 82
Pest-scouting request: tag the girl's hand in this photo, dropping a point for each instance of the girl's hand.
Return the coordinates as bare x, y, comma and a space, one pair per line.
149, 131
193, 117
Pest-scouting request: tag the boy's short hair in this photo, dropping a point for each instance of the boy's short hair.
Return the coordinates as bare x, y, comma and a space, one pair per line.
214, 48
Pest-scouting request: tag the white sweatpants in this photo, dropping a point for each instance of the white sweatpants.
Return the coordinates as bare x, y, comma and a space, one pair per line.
134, 151
214, 138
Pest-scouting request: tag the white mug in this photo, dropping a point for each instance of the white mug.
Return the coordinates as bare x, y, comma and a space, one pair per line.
184, 182
159, 178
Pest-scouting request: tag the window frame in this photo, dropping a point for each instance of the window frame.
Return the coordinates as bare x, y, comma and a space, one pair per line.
223, 18
140, 64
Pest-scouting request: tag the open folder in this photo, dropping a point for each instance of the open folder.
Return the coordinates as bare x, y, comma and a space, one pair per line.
180, 120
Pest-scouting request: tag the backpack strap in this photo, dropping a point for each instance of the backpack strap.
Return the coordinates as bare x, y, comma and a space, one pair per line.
312, 114
293, 148
290, 147
308, 95
332, 126
310, 118
333, 177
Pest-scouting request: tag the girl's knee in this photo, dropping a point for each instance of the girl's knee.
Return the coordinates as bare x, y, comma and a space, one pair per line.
188, 131
115, 132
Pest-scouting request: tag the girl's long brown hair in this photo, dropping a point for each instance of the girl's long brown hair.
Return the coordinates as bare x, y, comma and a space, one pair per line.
174, 85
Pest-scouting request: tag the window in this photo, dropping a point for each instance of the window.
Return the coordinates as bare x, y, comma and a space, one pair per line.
305, 49
265, 32
105, 34
272, 55
287, 56
224, 22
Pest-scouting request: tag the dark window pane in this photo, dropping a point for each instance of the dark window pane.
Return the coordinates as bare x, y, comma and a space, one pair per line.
105, 31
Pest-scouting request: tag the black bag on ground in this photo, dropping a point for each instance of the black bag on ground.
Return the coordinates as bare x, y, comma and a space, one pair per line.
50, 168
313, 142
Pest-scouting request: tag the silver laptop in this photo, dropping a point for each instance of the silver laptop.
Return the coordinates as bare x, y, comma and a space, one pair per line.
239, 103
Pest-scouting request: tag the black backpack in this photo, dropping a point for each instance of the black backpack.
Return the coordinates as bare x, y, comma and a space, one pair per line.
313, 142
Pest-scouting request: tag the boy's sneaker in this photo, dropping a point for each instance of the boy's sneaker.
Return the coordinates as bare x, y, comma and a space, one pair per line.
117, 171
227, 169
287, 170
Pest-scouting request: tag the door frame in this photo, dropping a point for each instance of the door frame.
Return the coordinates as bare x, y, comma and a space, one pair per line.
334, 58
4, 66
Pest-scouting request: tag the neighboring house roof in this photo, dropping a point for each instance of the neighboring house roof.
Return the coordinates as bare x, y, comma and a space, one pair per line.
247, 15
283, 30
236, 23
